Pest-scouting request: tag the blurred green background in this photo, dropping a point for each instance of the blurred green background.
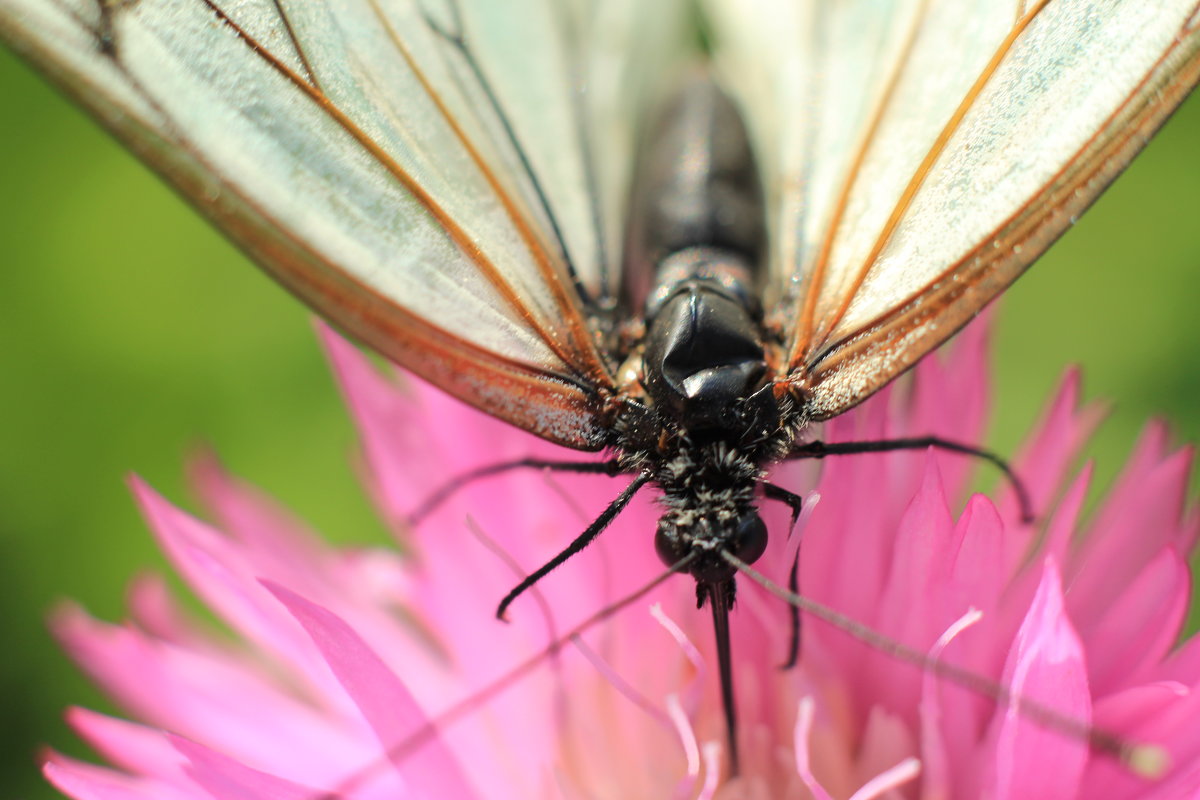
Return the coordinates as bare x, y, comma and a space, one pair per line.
132, 334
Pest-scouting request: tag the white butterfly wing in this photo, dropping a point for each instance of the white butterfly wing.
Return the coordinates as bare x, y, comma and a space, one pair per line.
351, 149
927, 151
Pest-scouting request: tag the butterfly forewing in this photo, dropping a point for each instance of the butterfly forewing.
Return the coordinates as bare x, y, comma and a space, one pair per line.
943, 158
347, 149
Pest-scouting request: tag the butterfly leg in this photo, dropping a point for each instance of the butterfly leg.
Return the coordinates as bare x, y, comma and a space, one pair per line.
581, 541
819, 449
793, 501
450, 488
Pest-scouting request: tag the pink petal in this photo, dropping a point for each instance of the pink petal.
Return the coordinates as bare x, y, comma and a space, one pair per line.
941, 740
1159, 715
155, 611
1140, 624
1044, 461
847, 545
956, 378
209, 698
887, 740
804, 722
1045, 665
253, 518
226, 779
384, 702
87, 782
1065, 519
1184, 783
217, 570
1055, 543
907, 611
973, 579
384, 415
1140, 518
1184, 664
893, 778
128, 745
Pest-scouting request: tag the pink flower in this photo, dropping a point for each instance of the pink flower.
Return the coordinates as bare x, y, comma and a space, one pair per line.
339, 657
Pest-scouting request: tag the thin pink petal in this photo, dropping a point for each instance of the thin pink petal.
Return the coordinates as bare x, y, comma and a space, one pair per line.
1046, 665
1184, 664
87, 782
255, 519
155, 611
1139, 519
907, 611
384, 416
957, 377
804, 722
904, 772
887, 740
226, 779
942, 741
207, 698
217, 570
127, 745
1065, 519
1140, 625
1043, 463
973, 579
383, 701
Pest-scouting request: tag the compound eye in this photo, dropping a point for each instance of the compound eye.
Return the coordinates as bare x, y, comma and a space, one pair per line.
751, 538
670, 546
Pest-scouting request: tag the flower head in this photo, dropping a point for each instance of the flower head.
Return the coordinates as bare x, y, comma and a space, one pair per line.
372, 674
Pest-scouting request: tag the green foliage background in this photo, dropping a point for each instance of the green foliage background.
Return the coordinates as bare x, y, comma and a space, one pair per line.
131, 333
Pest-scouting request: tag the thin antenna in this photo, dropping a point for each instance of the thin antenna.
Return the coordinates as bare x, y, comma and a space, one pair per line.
1146, 760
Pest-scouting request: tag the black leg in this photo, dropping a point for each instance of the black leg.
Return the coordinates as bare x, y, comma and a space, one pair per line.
822, 449
443, 493
793, 501
583, 540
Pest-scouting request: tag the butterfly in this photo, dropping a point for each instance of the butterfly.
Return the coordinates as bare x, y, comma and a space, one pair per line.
466, 188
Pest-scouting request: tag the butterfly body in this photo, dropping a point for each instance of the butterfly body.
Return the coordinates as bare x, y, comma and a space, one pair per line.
702, 419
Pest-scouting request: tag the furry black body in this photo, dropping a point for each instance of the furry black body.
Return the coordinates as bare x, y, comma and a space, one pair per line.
711, 420
693, 262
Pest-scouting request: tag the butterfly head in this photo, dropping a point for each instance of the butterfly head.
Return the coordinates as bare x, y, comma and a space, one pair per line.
709, 506
743, 535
